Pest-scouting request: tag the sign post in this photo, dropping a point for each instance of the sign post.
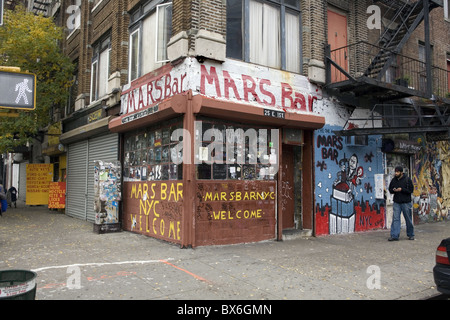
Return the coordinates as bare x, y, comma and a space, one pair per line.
17, 90
2, 5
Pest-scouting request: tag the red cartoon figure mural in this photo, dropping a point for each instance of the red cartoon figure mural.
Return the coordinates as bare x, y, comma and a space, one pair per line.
342, 215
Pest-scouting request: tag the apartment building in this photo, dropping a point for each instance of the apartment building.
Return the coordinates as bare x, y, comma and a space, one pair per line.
398, 82
240, 121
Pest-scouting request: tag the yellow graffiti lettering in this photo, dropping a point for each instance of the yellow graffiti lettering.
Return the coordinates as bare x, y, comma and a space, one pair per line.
145, 189
162, 225
216, 215
146, 206
153, 190
178, 230
172, 228
180, 191
238, 196
208, 196
246, 214
154, 229
163, 191
175, 192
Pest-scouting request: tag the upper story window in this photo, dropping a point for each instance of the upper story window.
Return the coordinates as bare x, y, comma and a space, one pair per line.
150, 31
100, 68
266, 32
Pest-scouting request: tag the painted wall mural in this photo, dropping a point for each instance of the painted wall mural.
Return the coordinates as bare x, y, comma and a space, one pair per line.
430, 172
346, 185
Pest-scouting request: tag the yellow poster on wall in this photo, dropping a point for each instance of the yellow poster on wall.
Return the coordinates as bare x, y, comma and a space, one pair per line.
39, 176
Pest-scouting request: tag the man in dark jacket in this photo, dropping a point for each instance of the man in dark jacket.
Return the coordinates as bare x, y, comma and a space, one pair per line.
402, 188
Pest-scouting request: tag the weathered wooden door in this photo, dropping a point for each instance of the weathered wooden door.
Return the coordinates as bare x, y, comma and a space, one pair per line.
337, 38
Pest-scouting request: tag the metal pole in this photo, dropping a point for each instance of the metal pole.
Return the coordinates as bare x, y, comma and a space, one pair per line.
426, 13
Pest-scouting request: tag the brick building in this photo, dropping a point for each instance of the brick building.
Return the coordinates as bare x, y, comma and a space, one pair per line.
234, 121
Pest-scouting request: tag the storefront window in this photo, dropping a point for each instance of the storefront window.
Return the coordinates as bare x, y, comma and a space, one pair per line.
234, 151
151, 155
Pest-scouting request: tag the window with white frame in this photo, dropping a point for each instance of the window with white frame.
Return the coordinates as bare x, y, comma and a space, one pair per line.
100, 69
266, 32
150, 31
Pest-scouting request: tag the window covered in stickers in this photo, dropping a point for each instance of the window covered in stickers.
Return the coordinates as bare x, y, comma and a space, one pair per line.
150, 31
151, 155
234, 151
266, 32
100, 68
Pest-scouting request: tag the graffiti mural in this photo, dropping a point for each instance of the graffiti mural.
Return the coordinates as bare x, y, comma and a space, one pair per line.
345, 184
431, 169
235, 212
154, 209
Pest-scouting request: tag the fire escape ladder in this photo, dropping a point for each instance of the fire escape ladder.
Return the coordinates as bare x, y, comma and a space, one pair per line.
407, 17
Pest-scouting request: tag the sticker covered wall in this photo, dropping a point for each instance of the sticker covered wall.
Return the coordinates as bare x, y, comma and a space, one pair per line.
348, 190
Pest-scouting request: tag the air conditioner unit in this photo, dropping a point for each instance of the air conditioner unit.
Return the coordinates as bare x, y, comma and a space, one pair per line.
357, 141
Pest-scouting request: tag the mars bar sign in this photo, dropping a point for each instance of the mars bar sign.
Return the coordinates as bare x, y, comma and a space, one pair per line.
17, 90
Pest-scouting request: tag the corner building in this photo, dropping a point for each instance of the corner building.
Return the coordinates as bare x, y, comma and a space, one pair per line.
217, 127
242, 121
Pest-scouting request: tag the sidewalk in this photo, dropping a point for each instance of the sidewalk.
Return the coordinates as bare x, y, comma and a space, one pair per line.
72, 262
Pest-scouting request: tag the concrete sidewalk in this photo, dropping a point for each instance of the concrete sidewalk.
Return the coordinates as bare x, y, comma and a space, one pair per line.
72, 262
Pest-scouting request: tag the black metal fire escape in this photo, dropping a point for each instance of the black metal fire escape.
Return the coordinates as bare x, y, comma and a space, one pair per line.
378, 77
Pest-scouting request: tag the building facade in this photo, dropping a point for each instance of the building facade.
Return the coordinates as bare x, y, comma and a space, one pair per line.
240, 121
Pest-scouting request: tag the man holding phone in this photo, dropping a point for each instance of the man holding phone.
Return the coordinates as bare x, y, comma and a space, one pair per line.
401, 187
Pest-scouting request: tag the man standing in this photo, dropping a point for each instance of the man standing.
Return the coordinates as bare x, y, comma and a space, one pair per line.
402, 187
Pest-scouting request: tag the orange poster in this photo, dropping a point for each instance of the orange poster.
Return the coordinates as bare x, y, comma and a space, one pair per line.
57, 195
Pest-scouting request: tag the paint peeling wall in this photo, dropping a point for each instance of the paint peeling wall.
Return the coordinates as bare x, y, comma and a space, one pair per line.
431, 176
348, 183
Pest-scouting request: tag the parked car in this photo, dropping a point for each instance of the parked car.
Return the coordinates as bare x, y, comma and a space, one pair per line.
441, 270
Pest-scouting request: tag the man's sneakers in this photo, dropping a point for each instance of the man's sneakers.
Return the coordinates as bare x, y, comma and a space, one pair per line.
396, 239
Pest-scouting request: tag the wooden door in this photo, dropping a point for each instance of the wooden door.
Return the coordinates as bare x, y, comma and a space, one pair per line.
287, 187
337, 38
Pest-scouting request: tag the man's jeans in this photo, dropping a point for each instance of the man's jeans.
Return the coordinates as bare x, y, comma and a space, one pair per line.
407, 214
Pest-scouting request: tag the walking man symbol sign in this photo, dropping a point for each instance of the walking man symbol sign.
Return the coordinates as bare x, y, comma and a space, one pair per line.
22, 87
17, 90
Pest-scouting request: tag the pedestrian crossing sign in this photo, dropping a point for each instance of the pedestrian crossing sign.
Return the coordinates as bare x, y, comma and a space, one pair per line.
17, 90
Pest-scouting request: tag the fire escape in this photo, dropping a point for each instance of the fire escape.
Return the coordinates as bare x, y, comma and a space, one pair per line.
400, 94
